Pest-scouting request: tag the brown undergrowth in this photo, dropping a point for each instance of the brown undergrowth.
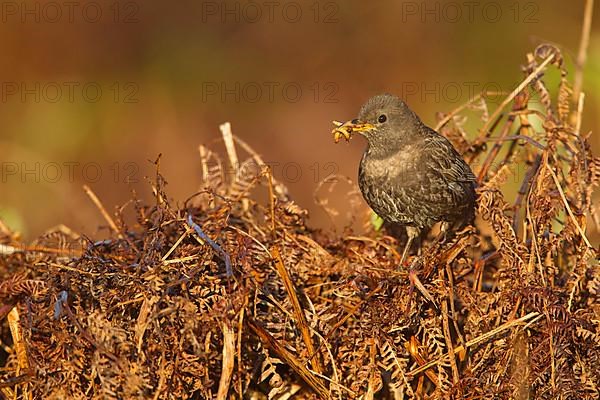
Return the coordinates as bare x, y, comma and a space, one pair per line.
232, 297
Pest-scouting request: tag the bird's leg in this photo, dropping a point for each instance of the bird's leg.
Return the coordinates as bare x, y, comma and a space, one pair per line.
412, 233
406, 247
441, 237
444, 228
416, 282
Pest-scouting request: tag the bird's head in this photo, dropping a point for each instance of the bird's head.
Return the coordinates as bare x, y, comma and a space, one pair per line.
383, 120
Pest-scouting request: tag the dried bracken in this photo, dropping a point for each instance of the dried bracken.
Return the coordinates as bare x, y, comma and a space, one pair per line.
233, 297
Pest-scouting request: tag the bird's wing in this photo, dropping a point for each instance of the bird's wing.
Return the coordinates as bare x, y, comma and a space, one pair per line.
448, 173
445, 159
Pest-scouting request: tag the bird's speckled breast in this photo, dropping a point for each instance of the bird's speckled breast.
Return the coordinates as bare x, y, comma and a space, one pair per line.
380, 181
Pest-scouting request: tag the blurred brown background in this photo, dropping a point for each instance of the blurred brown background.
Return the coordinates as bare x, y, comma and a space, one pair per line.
93, 91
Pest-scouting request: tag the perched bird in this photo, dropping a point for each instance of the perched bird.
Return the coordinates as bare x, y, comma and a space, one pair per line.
409, 174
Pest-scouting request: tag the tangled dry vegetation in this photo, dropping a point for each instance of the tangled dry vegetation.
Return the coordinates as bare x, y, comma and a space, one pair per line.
232, 297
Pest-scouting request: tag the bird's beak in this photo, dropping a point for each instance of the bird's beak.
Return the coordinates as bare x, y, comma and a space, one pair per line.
346, 129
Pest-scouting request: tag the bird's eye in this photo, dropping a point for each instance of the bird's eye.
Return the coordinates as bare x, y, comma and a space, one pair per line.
382, 118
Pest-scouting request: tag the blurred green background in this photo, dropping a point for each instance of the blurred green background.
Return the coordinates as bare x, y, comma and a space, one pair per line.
92, 92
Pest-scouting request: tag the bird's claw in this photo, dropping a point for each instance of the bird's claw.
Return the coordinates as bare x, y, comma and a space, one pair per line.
415, 282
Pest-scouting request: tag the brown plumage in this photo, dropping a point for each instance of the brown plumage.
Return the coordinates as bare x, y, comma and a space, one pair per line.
410, 174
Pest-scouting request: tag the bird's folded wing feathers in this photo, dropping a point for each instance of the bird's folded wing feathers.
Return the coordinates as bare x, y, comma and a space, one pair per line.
446, 160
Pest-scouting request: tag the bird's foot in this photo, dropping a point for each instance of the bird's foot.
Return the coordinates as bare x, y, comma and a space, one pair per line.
414, 280
407, 262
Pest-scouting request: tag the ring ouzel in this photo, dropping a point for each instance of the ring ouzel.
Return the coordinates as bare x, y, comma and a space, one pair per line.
409, 174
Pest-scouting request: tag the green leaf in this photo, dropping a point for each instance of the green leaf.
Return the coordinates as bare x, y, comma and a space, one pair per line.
376, 221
